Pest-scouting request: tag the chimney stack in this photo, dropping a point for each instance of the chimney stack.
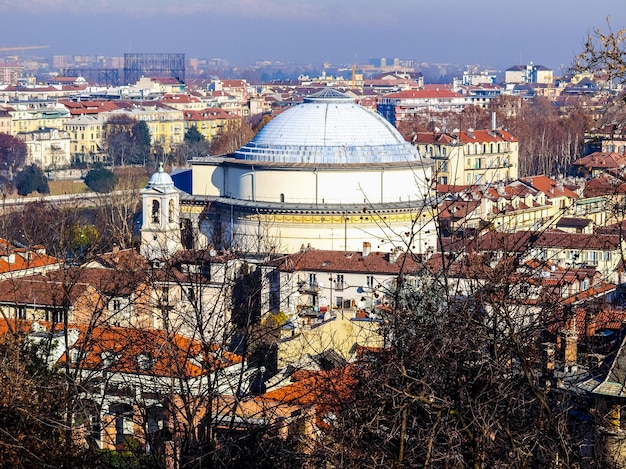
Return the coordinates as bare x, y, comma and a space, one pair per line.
367, 248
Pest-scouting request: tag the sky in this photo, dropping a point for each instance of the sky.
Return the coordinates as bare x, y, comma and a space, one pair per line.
490, 33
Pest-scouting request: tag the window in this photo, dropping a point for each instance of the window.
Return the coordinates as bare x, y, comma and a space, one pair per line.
156, 207
21, 312
191, 294
56, 316
274, 299
170, 211
369, 281
312, 280
165, 295
339, 282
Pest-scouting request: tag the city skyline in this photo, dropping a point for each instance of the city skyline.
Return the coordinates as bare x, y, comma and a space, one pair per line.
497, 35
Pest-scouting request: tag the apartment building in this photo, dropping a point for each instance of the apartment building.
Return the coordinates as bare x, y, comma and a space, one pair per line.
47, 148
210, 122
470, 156
10, 72
86, 137
31, 116
166, 125
406, 105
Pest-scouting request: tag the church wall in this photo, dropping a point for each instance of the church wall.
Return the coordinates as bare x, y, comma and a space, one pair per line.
324, 186
287, 233
207, 180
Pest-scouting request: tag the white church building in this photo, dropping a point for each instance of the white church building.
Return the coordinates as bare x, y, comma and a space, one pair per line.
327, 173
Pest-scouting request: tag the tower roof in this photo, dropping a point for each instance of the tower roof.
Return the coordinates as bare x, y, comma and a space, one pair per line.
160, 180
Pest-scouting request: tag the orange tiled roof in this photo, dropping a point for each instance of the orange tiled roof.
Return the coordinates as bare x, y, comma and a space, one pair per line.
207, 114
117, 349
549, 186
602, 160
351, 261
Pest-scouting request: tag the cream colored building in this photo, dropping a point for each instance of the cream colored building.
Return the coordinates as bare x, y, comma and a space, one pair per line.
32, 116
529, 73
327, 172
87, 135
47, 148
471, 156
166, 125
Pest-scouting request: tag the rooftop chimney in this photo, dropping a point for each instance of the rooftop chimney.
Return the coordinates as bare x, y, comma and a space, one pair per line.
367, 248
493, 121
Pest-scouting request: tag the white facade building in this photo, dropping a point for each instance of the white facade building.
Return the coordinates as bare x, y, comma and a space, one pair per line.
328, 172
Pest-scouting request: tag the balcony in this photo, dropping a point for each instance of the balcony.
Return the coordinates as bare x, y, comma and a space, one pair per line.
311, 288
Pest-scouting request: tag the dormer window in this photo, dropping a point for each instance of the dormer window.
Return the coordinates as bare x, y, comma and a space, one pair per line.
145, 361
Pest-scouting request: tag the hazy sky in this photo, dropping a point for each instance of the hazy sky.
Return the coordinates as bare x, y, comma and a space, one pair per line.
487, 32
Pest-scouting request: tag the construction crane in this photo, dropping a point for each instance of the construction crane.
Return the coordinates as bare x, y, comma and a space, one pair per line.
16, 49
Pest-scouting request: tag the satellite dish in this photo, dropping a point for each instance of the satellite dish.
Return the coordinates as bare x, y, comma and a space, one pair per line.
212, 252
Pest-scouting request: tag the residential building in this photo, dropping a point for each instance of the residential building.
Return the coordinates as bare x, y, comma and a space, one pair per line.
5, 120
160, 85
529, 73
133, 383
406, 105
87, 138
47, 148
182, 102
166, 125
10, 73
599, 163
29, 117
210, 122
470, 156
602, 252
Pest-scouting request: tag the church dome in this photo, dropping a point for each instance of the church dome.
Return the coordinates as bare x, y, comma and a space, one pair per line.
328, 127
161, 180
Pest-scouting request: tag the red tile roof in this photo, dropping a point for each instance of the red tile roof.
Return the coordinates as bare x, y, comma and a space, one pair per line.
121, 350
351, 261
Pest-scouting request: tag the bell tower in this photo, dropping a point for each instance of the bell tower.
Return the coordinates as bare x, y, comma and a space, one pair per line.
160, 227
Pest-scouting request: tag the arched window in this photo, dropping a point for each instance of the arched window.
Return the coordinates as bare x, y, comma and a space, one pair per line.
156, 208
282, 198
170, 212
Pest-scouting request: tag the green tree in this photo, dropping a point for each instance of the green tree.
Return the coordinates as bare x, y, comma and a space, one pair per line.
193, 135
101, 179
127, 141
31, 179
12, 154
